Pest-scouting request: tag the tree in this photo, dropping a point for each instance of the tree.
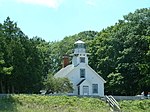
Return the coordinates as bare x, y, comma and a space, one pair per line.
119, 53
5, 70
122, 52
20, 53
57, 85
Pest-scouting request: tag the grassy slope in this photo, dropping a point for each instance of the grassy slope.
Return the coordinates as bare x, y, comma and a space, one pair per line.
135, 106
37, 103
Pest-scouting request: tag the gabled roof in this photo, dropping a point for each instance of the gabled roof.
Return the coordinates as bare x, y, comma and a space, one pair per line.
97, 74
64, 71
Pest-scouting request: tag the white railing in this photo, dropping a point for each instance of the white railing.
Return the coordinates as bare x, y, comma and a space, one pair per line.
113, 103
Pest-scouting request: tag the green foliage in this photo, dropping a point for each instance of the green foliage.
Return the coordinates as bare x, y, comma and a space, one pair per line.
19, 57
119, 53
135, 106
58, 85
38, 103
116, 82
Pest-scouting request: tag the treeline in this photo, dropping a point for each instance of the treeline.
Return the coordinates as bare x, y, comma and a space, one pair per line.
119, 53
20, 61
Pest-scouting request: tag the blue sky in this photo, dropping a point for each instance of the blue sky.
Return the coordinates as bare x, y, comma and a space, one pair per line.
54, 19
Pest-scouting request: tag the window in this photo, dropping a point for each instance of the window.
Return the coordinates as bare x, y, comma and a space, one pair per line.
82, 73
82, 59
95, 88
81, 45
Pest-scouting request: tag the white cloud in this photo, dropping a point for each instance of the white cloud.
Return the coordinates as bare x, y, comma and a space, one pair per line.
49, 3
91, 2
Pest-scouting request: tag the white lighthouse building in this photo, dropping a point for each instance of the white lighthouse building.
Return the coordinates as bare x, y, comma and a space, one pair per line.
84, 79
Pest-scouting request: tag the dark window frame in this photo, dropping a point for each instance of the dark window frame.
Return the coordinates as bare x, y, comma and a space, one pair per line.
95, 88
82, 73
82, 59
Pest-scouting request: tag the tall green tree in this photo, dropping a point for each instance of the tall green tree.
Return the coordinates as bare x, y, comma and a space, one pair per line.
5, 69
21, 53
121, 53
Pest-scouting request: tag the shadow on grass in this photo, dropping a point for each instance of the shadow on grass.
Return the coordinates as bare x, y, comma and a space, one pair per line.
8, 104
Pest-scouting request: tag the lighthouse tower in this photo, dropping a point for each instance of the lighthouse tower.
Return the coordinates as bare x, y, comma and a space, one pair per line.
79, 55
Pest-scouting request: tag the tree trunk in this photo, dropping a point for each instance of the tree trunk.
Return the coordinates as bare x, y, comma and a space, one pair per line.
1, 85
12, 88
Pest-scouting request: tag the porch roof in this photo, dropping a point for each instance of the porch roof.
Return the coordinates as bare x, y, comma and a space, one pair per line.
80, 82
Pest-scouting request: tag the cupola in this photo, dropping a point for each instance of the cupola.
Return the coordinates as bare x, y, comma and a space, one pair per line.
79, 55
79, 47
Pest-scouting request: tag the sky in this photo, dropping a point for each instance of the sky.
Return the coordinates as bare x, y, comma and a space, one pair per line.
53, 20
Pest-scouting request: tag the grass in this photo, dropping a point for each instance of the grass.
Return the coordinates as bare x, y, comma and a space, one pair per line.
135, 105
38, 103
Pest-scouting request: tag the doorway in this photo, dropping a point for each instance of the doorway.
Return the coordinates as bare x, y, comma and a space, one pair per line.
85, 90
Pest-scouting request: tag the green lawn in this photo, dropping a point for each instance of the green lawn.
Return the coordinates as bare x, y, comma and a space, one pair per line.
135, 105
38, 103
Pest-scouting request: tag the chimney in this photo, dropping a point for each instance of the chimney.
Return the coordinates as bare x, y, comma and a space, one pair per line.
65, 61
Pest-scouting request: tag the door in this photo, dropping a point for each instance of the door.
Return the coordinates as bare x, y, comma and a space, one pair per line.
78, 90
85, 90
